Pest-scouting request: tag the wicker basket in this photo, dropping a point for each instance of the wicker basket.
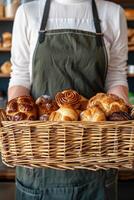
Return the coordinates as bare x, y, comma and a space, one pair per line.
68, 145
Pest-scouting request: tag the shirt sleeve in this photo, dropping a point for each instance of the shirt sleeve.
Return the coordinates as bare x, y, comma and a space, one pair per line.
20, 51
117, 66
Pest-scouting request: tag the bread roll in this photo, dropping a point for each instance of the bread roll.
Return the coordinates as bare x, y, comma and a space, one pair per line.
108, 103
68, 97
64, 113
45, 107
129, 13
21, 108
93, 114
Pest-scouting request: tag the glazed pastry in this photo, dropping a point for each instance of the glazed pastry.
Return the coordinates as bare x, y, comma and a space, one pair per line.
68, 97
119, 116
45, 107
93, 114
109, 103
21, 108
64, 113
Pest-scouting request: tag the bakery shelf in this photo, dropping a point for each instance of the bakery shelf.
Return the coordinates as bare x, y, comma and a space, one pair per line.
5, 49
131, 48
4, 75
130, 75
6, 19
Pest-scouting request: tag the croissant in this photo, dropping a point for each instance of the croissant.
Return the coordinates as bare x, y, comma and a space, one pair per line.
109, 103
21, 108
64, 113
93, 114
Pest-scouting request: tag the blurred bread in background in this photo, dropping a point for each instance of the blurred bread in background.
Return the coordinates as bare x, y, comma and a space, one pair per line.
6, 67
6, 39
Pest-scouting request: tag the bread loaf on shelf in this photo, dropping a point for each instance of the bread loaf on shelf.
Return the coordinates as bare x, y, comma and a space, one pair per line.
6, 39
6, 67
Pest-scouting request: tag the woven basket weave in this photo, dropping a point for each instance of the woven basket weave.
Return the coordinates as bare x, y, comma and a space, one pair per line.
68, 145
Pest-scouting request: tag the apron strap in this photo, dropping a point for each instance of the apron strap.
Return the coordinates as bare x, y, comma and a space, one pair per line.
44, 21
95, 16
97, 24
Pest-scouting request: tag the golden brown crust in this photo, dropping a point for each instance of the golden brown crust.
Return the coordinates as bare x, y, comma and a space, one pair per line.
64, 113
93, 114
45, 107
21, 108
68, 97
109, 103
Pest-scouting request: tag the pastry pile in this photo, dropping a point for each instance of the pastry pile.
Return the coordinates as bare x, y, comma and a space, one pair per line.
69, 105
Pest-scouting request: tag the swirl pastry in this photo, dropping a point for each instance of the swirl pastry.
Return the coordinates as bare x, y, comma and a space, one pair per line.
45, 107
64, 113
68, 97
21, 108
109, 103
93, 114
119, 116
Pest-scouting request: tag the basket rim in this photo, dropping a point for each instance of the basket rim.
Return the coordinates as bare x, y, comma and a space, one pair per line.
66, 123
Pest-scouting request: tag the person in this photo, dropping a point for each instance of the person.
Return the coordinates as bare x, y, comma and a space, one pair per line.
59, 44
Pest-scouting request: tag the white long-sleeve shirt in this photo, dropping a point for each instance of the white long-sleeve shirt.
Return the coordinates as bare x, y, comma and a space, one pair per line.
69, 14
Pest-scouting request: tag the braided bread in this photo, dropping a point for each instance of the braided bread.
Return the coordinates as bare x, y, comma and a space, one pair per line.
21, 108
109, 103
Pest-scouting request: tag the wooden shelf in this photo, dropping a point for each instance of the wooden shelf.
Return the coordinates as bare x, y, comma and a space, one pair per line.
5, 49
6, 19
130, 75
7, 174
131, 49
4, 75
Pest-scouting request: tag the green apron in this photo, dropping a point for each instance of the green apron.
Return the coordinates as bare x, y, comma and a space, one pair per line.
76, 59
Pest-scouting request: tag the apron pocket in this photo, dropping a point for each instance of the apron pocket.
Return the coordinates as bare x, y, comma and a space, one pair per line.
59, 193
24, 193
